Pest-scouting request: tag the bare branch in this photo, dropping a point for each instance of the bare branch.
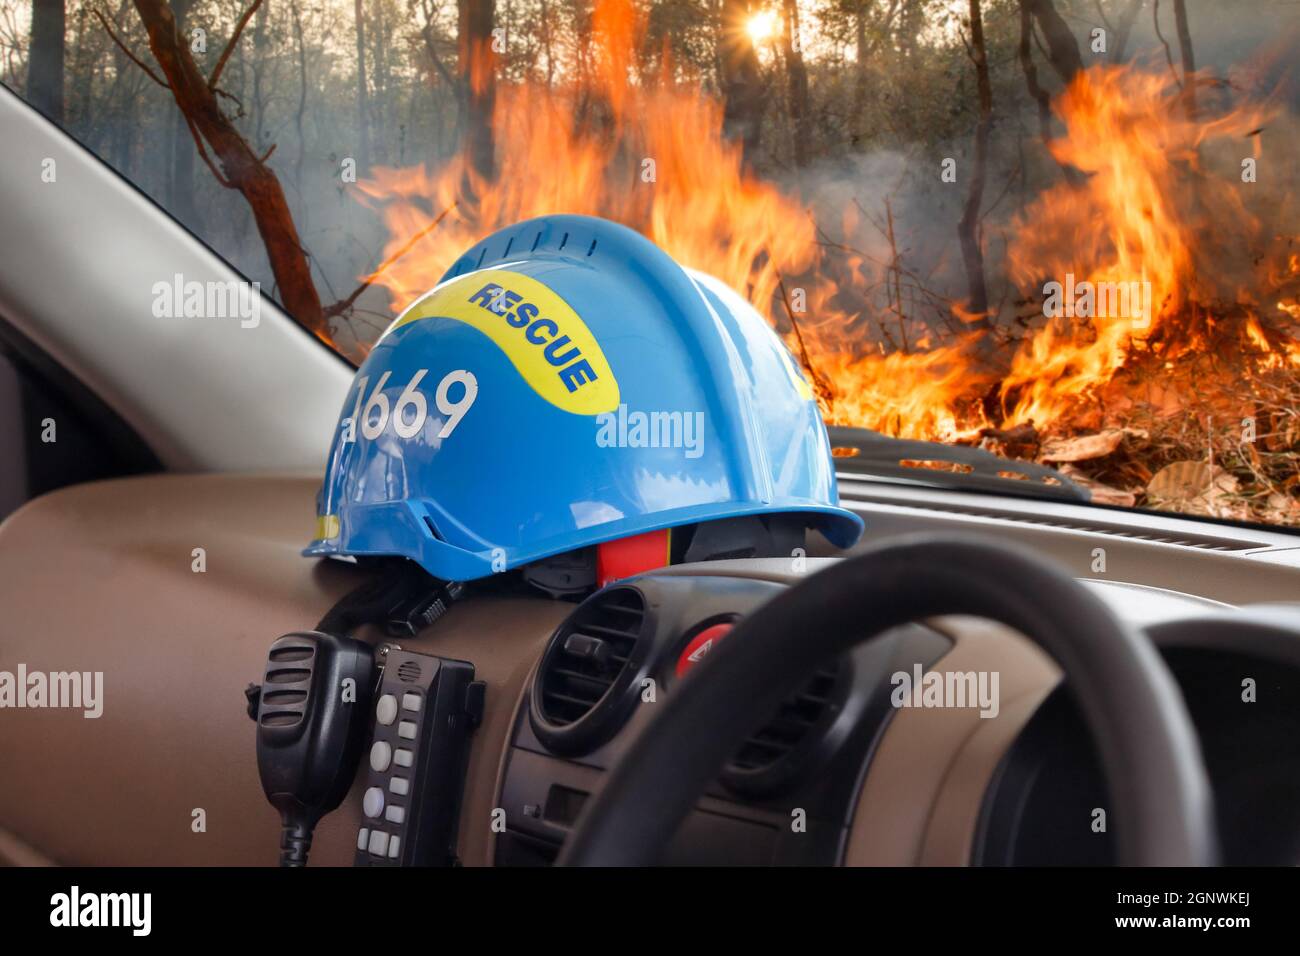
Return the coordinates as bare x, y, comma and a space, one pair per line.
239, 105
1040, 96
427, 34
240, 167
822, 387
1169, 56
1126, 20
1189, 60
123, 47
1101, 12
203, 152
1062, 49
338, 308
883, 27
230, 47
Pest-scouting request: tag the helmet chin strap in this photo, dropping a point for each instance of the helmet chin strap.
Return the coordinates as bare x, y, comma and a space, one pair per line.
625, 557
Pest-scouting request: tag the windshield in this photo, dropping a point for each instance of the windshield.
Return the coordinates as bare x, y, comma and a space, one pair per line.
1062, 231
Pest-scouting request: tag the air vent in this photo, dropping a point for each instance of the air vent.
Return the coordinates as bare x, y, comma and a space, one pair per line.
784, 746
584, 688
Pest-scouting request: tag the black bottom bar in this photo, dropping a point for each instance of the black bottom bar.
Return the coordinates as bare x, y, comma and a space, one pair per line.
337, 905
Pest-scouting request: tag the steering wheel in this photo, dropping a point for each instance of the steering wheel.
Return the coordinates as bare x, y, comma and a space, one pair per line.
1160, 793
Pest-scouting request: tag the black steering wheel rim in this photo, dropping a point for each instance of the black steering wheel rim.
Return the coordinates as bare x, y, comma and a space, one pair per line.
1161, 803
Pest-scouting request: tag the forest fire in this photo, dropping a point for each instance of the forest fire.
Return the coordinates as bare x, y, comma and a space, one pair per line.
1162, 205
1151, 214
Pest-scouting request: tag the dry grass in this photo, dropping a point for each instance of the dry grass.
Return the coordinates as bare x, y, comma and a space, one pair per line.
1241, 426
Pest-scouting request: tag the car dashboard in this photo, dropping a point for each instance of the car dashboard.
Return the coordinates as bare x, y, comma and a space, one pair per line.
104, 577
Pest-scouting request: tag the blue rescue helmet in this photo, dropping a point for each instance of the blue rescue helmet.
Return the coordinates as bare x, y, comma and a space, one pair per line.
565, 384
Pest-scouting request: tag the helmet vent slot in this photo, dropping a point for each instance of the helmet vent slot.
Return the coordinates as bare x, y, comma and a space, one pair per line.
433, 528
592, 248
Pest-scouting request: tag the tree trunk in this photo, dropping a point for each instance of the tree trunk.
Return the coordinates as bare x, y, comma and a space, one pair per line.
108, 111
443, 137
180, 182
859, 68
1062, 48
45, 64
1123, 29
1040, 96
380, 39
911, 22
1189, 60
363, 106
260, 44
800, 115
968, 227
241, 167
476, 65
742, 84
547, 46
301, 43
78, 112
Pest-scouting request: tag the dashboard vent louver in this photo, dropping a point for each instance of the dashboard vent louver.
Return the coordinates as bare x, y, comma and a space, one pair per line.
771, 755
580, 692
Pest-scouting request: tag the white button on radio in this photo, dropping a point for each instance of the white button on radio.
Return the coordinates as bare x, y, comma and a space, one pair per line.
403, 757
381, 755
373, 802
399, 786
378, 842
411, 702
395, 814
362, 835
386, 709
406, 730
393, 845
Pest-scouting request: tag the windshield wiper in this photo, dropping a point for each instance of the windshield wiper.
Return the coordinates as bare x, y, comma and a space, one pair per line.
867, 452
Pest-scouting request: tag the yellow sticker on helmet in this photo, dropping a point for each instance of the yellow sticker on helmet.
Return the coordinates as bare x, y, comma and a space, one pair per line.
544, 338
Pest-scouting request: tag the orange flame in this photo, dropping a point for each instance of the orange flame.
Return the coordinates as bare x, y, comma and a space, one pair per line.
651, 154
1147, 214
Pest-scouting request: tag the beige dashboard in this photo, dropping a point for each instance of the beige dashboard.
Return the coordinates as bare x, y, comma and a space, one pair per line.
102, 577
174, 586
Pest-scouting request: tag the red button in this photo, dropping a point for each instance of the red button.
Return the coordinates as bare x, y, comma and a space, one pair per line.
701, 645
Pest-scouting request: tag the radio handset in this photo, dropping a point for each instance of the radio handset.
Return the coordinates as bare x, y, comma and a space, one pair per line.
312, 715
